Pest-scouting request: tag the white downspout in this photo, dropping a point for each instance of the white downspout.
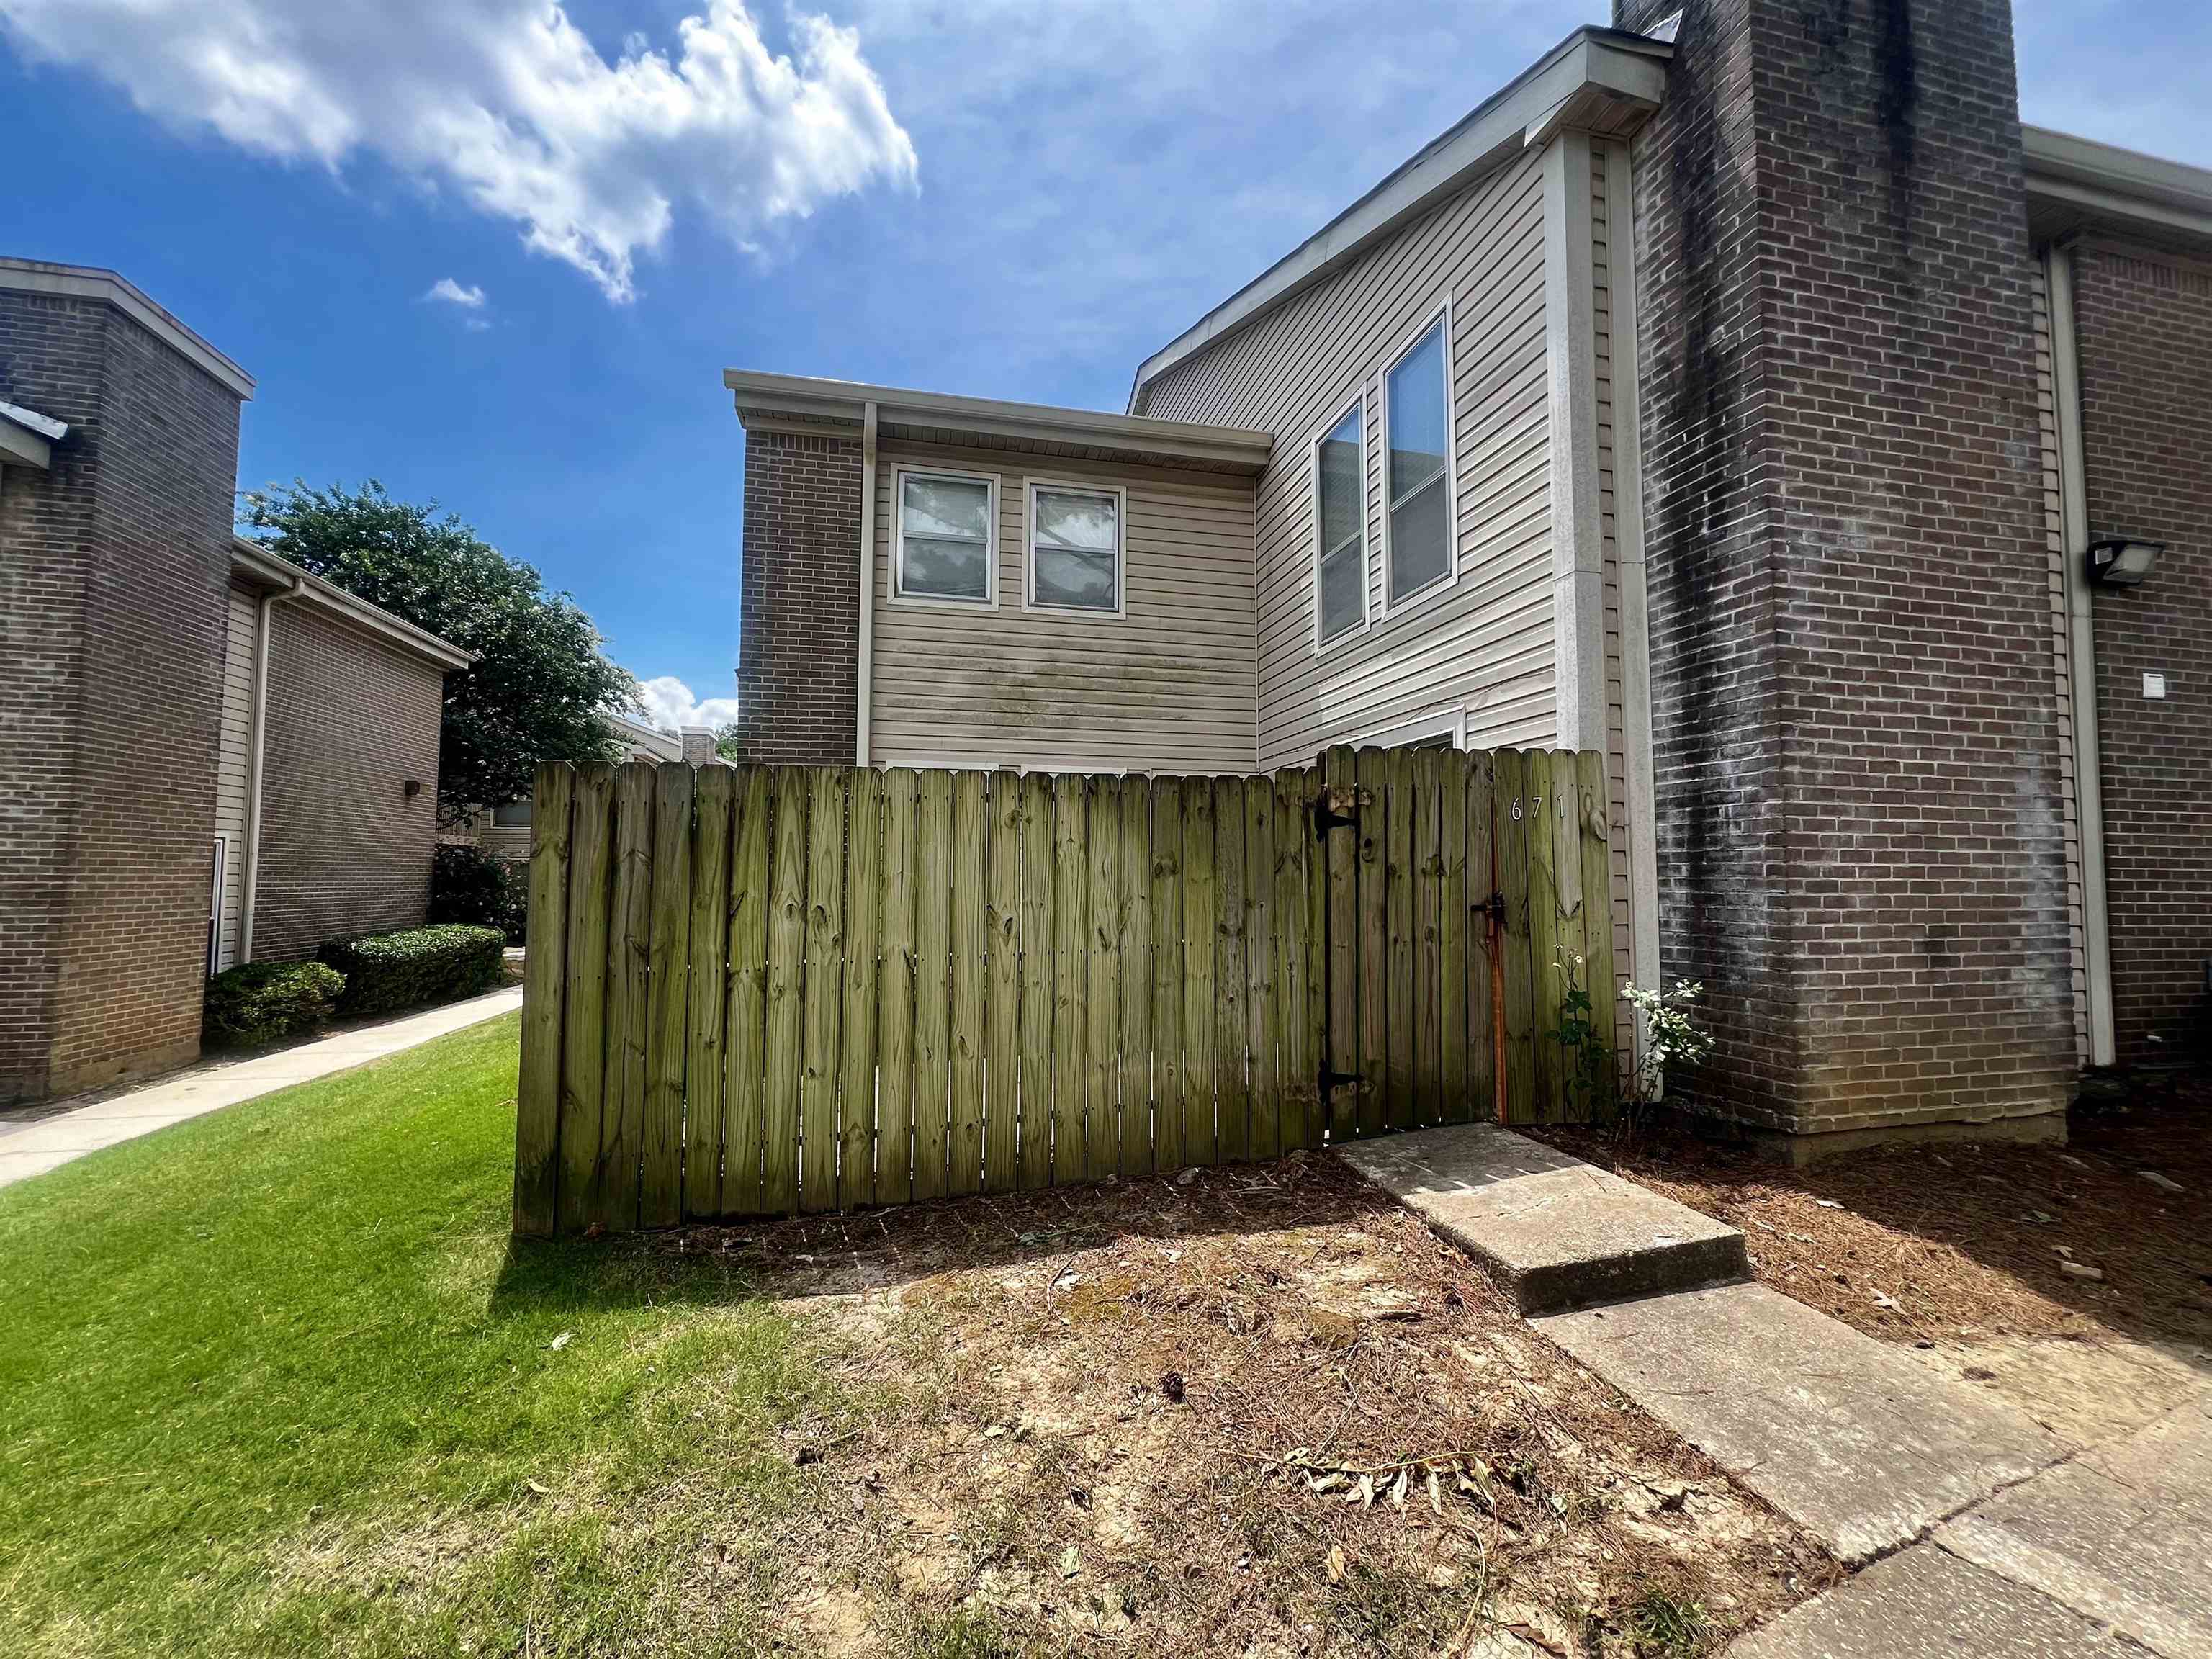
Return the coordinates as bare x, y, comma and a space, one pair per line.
2082, 650
256, 742
860, 757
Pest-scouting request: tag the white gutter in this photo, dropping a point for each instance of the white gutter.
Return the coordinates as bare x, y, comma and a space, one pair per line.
2081, 651
867, 579
256, 745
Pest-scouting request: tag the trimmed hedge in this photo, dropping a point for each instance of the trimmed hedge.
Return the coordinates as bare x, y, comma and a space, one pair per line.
468, 884
260, 1002
385, 971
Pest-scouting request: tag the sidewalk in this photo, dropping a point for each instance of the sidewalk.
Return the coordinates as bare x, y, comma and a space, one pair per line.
31, 1148
1989, 1535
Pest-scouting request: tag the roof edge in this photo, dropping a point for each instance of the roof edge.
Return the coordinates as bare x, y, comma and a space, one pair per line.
640, 735
1631, 67
842, 402
252, 559
2127, 185
96, 282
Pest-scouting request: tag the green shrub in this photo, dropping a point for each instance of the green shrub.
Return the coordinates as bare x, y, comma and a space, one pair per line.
385, 971
260, 1002
468, 884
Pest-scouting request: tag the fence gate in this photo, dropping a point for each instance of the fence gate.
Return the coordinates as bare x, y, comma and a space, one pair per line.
761, 990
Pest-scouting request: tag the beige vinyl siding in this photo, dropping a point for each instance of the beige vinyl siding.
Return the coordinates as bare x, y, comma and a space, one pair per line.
1166, 688
232, 740
1616, 724
2046, 401
1486, 644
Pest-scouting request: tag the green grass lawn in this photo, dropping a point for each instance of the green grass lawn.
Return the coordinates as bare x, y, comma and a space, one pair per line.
274, 1381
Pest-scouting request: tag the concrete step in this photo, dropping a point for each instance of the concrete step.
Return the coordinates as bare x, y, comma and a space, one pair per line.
1848, 1437
1553, 1232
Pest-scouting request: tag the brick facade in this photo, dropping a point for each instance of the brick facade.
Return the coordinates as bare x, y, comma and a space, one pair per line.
113, 569
799, 632
344, 848
2144, 327
1856, 739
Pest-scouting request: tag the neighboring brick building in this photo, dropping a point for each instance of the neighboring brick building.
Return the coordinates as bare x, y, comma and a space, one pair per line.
118, 459
1782, 382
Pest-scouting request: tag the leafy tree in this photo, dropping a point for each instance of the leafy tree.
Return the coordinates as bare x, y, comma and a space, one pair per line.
729, 744
542, 681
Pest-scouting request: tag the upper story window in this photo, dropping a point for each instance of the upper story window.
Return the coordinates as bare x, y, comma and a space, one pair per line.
1075, 548
1417, 551
947, 548
1340, 527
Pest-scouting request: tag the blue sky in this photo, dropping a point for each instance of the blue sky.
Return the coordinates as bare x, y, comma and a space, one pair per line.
624, 198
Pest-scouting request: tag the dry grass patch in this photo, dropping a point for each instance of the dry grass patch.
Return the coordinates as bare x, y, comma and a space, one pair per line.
1257, 1411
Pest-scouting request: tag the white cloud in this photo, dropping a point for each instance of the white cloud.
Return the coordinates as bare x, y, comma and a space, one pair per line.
509, 105
669, 705
448, 291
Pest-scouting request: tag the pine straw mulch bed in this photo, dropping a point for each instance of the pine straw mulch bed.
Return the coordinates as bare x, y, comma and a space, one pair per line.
1199, 1415
1937, 1242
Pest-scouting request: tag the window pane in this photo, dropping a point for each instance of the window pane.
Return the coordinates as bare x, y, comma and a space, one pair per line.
1069, 520
1343, 491
1343, 596
1416, 415
1069, 576
947, 506
514, 811
1420, 548
945, 569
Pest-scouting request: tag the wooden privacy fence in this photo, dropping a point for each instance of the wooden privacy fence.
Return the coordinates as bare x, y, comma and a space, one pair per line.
755, 990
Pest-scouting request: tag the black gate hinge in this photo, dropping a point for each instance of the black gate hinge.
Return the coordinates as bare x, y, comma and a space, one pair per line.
1334, 1080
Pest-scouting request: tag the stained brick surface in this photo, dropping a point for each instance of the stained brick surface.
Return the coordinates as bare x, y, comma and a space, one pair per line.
344, 848
2144, 328
799, 631
1855, 734
113, 568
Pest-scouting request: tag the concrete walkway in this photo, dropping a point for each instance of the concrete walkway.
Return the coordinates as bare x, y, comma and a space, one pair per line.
1989, 1533
31, 1148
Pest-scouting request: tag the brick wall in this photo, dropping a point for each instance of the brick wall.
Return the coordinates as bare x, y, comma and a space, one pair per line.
2144, 337
1856, 733
113, 568
344, 848
799, 632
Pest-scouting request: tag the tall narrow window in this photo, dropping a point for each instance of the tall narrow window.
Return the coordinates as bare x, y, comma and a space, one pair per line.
947, 550
1075, 548
1416, 537
1340, 527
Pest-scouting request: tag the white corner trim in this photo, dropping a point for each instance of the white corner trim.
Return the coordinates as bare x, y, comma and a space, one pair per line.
1030, 485
1635, 594
2082, 652
865, 694
924, 601
1577, 503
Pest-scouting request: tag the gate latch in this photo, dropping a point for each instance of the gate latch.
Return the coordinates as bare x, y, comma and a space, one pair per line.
1494, 907
1326, 817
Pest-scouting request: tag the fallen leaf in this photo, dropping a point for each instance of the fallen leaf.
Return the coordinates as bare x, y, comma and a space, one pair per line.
1071, 1562
561, 1340
539, 1492
1336, 1564
1827, 1204
1537, 1639
1436, 1494
1398, 1488
1171, 1385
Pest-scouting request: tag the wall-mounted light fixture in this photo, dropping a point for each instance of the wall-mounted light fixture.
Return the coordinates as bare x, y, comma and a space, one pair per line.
412, 788
2121, 561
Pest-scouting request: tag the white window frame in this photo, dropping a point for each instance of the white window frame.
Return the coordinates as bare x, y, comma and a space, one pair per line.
1449, 721
1449, 579
1078, 487
1358, 406
935, 601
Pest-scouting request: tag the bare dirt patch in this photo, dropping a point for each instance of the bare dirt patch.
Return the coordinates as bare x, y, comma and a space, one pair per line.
1257, 1411
2076, 1279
